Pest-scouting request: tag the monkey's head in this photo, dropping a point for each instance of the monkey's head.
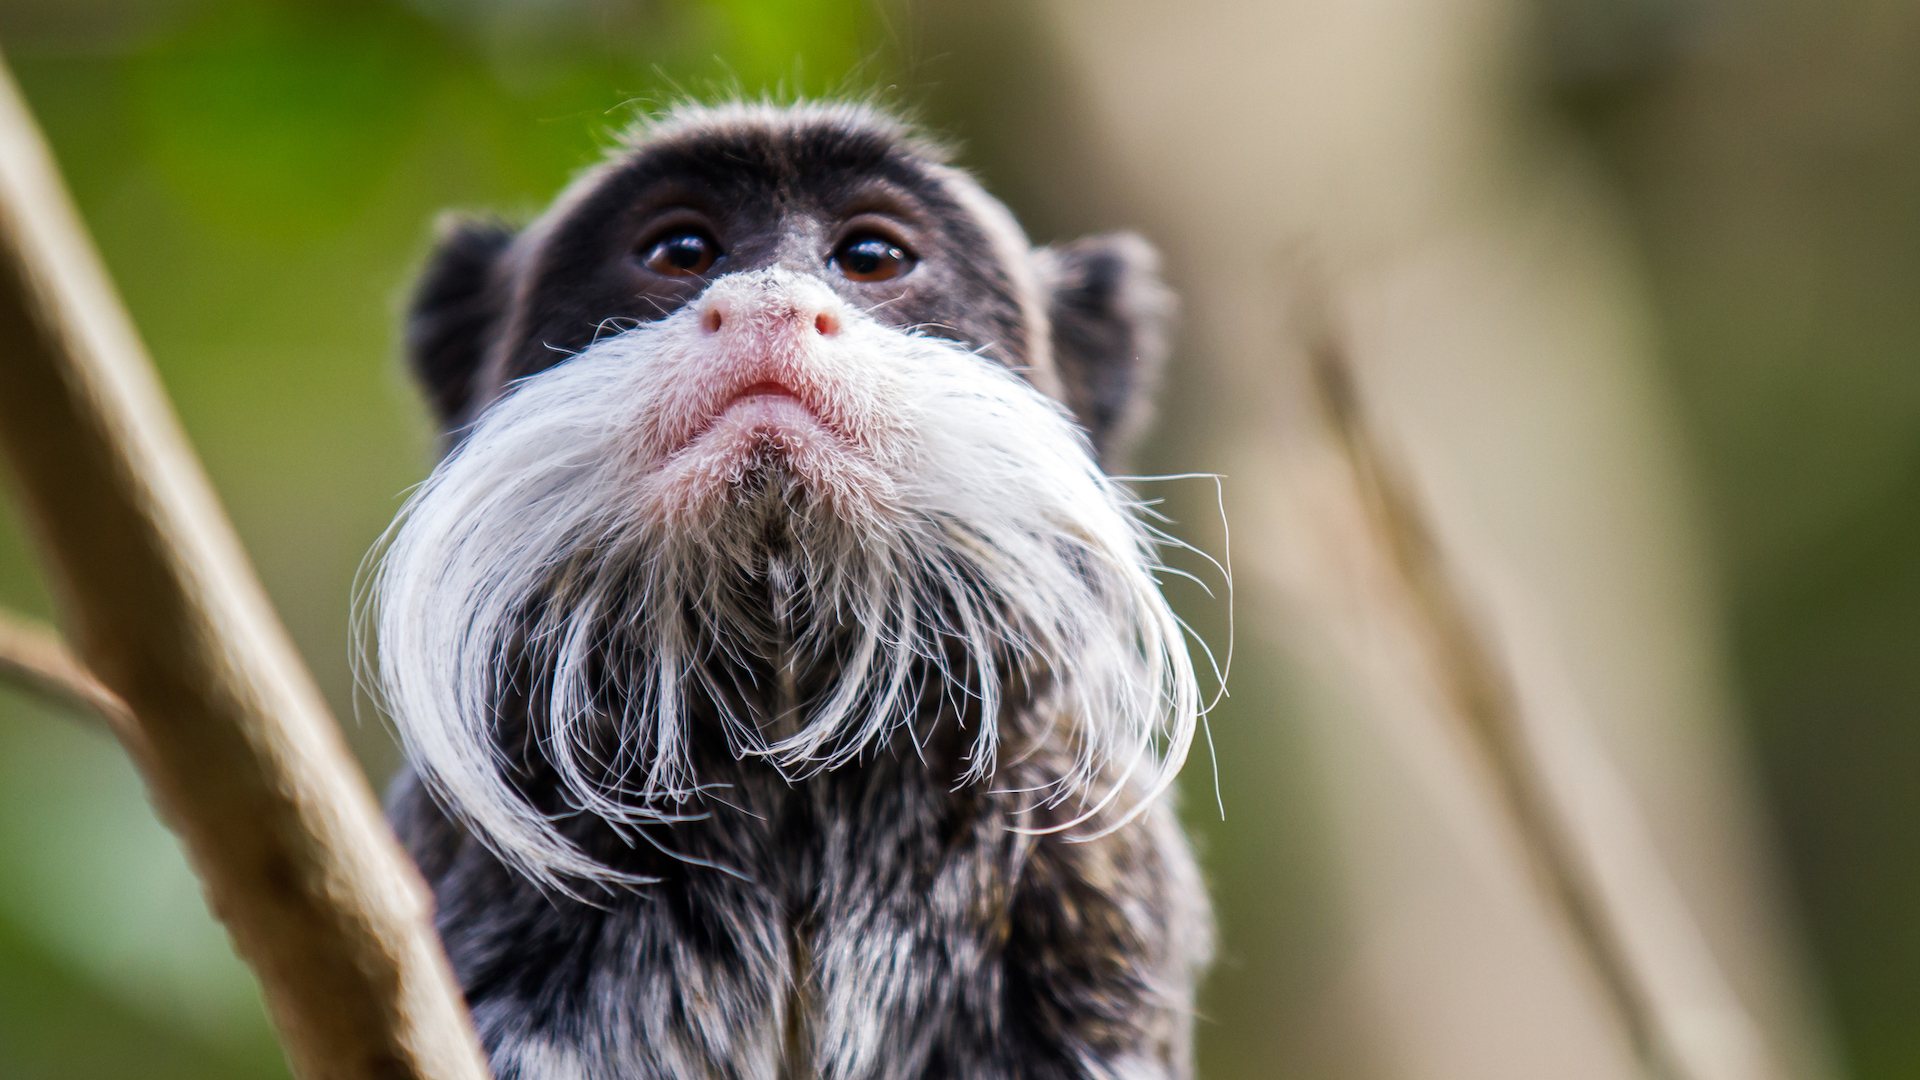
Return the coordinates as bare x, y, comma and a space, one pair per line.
774, 421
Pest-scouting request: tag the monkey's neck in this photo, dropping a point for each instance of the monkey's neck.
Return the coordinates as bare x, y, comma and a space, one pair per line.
784, 708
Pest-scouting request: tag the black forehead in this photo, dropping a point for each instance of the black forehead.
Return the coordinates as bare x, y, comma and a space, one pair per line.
825, 160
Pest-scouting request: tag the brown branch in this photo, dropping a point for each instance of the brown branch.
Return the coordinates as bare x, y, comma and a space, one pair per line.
1580, 834
158, 598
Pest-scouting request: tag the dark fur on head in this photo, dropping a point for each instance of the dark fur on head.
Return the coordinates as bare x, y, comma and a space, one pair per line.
980, 886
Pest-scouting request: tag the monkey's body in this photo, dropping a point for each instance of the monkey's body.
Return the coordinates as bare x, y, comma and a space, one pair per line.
869, 922
778, 676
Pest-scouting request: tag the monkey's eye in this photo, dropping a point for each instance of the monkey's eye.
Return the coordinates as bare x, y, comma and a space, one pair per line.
870, 258
683, 254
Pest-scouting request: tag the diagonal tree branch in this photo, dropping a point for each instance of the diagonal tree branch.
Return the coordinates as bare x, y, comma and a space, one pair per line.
236, 746
1577, 826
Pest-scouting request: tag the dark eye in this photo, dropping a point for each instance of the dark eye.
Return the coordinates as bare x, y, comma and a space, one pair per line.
871, 258
683, 254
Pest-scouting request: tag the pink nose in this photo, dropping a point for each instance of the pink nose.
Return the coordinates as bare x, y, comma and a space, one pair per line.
775, 311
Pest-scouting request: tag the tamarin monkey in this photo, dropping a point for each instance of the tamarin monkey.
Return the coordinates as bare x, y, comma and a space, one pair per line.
786, 688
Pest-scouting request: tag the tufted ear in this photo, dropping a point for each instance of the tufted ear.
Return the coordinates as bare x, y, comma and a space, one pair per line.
453, 312
1111, 316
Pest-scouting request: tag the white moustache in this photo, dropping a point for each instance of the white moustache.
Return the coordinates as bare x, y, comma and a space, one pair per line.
929, 498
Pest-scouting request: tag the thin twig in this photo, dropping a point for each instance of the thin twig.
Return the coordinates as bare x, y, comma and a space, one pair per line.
158, 599
1641, 944
34, 659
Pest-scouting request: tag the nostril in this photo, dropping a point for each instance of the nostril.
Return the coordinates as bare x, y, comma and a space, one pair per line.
826, 323
710, 322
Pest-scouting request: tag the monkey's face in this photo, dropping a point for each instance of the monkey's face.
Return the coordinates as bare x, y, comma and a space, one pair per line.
768, 421
836, 194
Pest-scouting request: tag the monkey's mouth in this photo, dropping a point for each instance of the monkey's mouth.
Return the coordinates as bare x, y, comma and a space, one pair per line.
767, 413
757, 426
749, 425
767, 405
763, 388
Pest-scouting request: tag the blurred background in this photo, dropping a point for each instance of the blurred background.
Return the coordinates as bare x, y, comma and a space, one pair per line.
1635, 286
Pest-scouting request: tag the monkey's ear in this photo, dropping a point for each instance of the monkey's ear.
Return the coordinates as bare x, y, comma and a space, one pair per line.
453, 312
1111, 317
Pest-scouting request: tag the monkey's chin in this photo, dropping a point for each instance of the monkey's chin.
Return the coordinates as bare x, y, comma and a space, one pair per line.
770, 445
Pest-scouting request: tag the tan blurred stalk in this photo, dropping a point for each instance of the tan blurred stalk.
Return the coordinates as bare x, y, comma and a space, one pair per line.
239, 754
1495, 325
1561, 801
